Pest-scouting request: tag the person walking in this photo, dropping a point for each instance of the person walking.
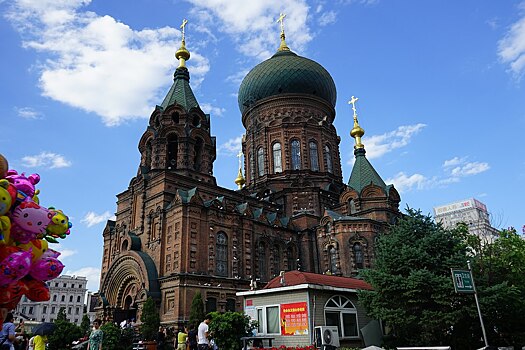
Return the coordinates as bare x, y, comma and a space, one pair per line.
203, 342
8, 333
96, 336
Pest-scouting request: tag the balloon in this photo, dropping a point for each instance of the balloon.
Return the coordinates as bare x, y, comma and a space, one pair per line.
36, 246
36, 290
14, 267
5, 230
3, 172
29, 221
5, 197
50, 253
11, 295
23, 184
46, 269
59, 225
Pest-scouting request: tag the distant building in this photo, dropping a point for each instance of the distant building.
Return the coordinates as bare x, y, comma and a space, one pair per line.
66, 291
469, 211
91, 304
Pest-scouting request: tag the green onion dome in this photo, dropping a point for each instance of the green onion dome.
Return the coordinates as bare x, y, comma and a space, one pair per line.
286, 73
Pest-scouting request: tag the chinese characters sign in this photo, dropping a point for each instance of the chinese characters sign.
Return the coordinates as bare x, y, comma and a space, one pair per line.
463, 281
294, 319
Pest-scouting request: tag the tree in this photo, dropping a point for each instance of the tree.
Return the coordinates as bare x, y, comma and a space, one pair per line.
64, 334
413, 290
150, 320
499, 270
112, 337
84, 325
228, 328
197, 309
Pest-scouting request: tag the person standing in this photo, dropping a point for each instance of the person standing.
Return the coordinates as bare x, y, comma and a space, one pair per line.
40, 342
96, 336
182, 338
8, 332
203, 333
192, 337
161, 338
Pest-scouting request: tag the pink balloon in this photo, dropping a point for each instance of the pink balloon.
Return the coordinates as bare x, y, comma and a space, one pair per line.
46, 269
14, 267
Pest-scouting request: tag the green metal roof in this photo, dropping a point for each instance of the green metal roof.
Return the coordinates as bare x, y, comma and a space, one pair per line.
286, 72
180, 91
363, 173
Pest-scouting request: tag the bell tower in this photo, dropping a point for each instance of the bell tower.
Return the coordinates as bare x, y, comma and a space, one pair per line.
178, 138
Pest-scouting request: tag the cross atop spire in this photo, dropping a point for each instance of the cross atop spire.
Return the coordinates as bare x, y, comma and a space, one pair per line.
182, 26
281, 20
182, 53
357, 131
283, 46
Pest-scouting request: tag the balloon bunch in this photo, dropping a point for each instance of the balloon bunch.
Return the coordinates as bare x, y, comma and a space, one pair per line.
26, 228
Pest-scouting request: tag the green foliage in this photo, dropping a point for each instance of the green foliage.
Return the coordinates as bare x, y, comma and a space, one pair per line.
150, 320
499, 272
61, 316
112, 337
197, 309
413, 291
65, 333
228, 328
84, 325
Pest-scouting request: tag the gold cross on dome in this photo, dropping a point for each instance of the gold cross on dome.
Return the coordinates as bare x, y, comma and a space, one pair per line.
352, 102
281, 20
184, 22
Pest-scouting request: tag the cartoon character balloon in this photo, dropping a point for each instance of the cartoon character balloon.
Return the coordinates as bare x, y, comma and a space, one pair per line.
14, 267
29, 221
24, 185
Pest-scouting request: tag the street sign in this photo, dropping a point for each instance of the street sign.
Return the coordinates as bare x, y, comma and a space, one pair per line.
463, 281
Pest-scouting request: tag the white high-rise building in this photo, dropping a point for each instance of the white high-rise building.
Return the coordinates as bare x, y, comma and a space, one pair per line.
469, 211
66, 291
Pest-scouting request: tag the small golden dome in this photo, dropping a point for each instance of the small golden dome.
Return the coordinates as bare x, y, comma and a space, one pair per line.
240, 181
357, 131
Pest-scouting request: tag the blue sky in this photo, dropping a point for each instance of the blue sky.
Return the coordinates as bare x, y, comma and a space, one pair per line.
440, 86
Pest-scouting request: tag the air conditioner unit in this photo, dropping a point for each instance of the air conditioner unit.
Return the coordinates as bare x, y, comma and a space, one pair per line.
326, 336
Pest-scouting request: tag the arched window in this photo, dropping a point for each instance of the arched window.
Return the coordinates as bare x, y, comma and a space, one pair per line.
276, 259
262, 261
260, 161
175, 117
173, 150
198, 154
196, 120
339, 311
314, 158
296, 155
290, 256
211, 304
230, 305
358, 255
332, 258
221, 258
328, 157
277, 160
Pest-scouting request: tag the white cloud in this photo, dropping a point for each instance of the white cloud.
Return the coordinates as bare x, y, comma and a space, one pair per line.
403, 182
46, 160
378, 145
252, 24
327, 18
98, 64
213, 110
28, 113
511, 49
92, 275
459, 167
92, 218
231, 147
65, 253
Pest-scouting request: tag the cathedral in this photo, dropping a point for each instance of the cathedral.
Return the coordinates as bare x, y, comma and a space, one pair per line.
177, 232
